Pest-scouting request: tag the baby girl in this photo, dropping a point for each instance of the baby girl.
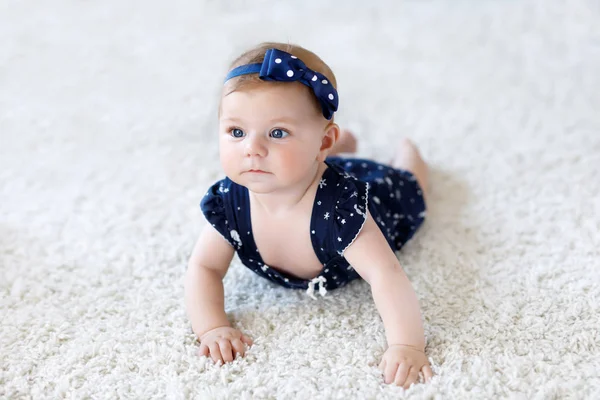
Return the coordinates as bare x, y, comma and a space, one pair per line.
299, 216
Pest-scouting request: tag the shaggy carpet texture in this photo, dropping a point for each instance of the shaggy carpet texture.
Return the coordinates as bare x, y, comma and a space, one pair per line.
108, 143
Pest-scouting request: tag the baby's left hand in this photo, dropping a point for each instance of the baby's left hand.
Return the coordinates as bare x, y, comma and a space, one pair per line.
401, 364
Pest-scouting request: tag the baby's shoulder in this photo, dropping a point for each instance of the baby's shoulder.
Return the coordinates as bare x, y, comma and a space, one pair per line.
344, 199
217, 204
217, 197
220, 188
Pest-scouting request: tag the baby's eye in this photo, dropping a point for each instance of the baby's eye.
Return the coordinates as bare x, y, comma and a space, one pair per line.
278, 133
237, 133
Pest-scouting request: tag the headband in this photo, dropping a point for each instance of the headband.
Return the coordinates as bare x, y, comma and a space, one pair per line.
284, 67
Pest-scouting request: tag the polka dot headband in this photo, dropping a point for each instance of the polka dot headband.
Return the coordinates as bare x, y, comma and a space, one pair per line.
284, 67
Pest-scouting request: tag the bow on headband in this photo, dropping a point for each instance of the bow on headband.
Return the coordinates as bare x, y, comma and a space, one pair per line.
284, 67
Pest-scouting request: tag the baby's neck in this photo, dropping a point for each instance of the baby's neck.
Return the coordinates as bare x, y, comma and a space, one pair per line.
283, 201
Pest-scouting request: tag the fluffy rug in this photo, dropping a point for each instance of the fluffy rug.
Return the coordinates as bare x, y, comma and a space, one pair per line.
108, 142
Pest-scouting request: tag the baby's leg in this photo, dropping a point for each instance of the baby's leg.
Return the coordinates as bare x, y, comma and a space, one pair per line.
407, 157
346, 143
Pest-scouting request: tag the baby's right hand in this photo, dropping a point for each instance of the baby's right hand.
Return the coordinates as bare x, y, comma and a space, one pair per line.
223, 343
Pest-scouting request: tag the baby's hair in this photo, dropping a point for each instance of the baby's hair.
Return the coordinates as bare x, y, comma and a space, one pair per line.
256, 55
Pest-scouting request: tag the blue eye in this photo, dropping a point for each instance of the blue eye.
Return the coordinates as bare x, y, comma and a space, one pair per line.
237, 133
279, 133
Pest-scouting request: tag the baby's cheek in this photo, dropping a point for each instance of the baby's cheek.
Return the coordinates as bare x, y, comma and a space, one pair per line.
296, 165
292, 161
228, 159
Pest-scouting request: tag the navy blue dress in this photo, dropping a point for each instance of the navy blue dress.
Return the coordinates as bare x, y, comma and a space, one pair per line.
348, 187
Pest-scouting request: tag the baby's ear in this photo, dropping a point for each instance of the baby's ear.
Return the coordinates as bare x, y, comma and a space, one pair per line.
332, 134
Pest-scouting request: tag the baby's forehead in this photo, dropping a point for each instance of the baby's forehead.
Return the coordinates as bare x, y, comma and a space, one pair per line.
289, 98
254, 88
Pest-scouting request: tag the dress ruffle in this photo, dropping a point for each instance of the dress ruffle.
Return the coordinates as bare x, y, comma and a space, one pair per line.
213, 207
350, 212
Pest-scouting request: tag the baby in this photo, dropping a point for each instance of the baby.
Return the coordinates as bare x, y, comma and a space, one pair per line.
299, 216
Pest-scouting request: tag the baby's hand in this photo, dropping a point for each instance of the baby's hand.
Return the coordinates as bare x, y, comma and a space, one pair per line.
223, 343
401, 364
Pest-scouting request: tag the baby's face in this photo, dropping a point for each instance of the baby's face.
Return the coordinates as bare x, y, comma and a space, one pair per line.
270, 136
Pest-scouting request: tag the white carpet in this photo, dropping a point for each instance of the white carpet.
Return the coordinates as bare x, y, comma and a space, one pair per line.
107, 129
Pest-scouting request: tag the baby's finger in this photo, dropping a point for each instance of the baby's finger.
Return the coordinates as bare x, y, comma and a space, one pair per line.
247, 340
400, 377
226, 351
382, 365
413, 377
390, 372
215, 353
239, 347
203, 351
427, 373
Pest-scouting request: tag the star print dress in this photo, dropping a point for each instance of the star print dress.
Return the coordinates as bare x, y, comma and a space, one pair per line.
348, 188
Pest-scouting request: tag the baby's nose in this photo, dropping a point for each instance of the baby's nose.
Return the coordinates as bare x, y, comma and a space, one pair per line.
255, 146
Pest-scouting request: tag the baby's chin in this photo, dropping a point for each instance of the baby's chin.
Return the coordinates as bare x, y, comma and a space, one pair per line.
256, 184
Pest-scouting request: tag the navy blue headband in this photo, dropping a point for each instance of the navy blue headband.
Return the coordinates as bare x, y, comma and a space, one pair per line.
284, 67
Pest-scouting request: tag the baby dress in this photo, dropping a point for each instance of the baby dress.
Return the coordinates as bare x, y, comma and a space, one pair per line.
347, 188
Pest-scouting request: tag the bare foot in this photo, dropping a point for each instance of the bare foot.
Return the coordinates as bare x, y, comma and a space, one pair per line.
346, 143
408, 157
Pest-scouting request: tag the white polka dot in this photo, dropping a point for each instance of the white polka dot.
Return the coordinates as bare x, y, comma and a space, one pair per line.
324, 82
278, 61
294, 57
314, 78
313, 232
290, 73
330, 96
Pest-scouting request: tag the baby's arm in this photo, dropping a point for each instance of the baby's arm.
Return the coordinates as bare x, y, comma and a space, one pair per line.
204, 297
397, 302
